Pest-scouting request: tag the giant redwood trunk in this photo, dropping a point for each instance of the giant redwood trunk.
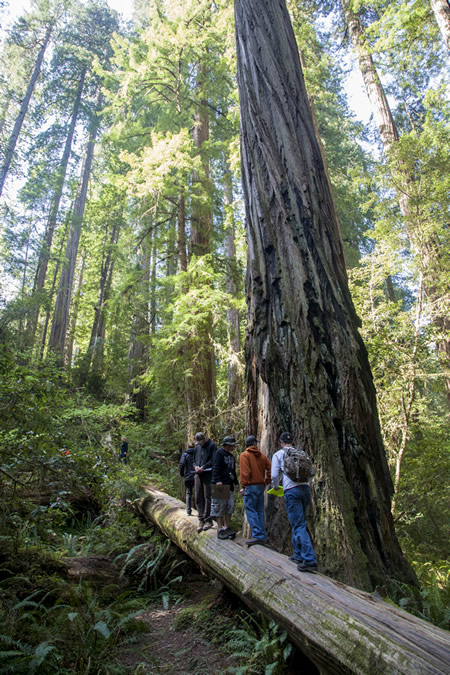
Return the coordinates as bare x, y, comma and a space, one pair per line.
307, 368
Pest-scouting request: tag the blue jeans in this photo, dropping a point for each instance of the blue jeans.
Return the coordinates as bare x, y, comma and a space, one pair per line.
296, 500
254, 510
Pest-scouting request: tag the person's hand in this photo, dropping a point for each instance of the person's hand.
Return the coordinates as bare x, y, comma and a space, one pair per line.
219, 483
242, 491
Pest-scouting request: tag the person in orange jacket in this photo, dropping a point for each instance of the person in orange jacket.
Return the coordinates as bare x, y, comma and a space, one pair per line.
254, 475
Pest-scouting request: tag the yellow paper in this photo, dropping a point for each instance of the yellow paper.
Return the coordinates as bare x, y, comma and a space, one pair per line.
278, 492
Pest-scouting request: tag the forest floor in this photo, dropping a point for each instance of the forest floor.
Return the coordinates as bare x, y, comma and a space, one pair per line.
171, 650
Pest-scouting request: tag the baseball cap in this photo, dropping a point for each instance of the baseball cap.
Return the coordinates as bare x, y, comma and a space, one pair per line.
229, 440
251, 440
286, 437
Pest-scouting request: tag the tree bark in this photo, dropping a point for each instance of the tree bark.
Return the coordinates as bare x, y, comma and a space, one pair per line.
441, 10
340, 629
307, 368
61, 313
12, 141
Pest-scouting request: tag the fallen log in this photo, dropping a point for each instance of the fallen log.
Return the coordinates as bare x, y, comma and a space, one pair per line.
100, 570
339, 628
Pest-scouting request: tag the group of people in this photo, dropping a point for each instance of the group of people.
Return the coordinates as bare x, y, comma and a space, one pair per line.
210, 473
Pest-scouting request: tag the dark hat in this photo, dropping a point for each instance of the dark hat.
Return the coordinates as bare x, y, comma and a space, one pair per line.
251, 440
286, 437
229, 440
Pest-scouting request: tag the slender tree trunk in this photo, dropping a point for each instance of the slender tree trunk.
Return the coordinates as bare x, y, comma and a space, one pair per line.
138, 351
62, 307
308, 370
441, 10
233, 318
74, 315
44, 254
181, 221
201, 383
12, 141
94, 354
52, 290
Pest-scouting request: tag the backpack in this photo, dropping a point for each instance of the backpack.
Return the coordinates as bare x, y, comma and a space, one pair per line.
297, 465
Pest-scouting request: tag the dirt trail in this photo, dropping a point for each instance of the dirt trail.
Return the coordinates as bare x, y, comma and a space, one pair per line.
174, 652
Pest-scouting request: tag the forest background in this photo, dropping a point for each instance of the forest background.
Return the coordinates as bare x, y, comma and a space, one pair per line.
123, 246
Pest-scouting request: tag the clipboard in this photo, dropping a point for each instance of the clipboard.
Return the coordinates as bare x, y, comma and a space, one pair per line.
220, 491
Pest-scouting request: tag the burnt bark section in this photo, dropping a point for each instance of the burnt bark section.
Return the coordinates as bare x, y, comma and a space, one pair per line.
340, 629
307, 368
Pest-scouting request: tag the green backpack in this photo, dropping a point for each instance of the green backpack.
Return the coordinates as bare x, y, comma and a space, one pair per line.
297, 465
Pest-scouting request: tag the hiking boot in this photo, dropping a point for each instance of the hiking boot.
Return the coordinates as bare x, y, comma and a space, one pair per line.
252, 541
208, 525
293, 559
307, 567
200, 527
189, 513
231, 533
223, 534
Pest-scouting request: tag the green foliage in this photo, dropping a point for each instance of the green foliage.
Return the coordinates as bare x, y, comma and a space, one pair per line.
84, 633
258, 645
262, 645
434, 605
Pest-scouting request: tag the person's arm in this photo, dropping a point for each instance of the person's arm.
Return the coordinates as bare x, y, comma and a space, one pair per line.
217, 469
244, 471
183, 464
275, 471
212, 452
268, 470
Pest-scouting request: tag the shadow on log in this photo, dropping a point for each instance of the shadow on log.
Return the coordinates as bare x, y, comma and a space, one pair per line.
341, 629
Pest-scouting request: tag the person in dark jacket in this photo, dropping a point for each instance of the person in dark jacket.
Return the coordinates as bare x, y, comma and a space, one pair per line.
222, 483
187, 470
203, 461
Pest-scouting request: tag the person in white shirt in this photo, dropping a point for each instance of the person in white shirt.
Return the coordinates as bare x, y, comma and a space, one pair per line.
297, 496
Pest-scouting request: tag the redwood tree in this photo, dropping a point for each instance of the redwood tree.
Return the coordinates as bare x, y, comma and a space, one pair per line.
307, 368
